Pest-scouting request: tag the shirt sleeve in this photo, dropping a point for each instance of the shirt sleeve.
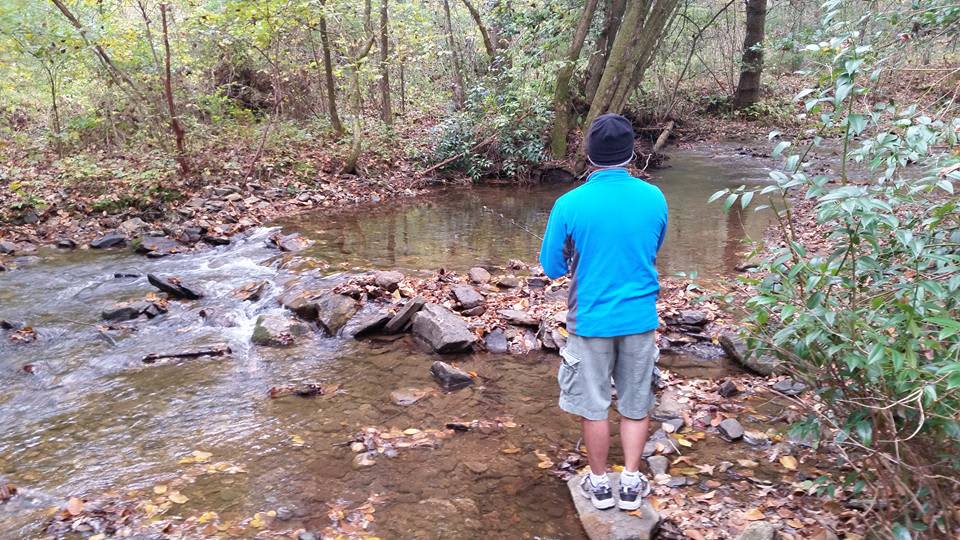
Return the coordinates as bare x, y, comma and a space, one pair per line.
551, 251
663, 229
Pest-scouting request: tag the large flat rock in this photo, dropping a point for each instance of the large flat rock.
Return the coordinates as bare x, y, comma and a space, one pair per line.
613, 524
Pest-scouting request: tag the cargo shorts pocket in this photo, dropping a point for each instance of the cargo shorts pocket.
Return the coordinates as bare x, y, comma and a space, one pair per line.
569, 374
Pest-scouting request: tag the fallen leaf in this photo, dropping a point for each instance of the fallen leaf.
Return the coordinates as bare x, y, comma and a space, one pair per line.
511, 450
160, 490
411, 431
747, 463
706, 496
177, 497
297, 440
796, 524
789, 462
257, 521
753, 514
206, 517
694, 534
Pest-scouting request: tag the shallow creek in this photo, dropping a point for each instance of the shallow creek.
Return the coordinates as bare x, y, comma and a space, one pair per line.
93, 418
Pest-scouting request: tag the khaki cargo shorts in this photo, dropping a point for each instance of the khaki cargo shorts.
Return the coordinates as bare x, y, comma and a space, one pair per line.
588, 364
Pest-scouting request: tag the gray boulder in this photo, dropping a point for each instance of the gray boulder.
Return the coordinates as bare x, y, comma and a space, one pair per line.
122, 313
388, 279
371, 318
334, 310
730, 429
442, 329
667, 407
156, 246
466, 296
613, 524
496, 341
479, 275
276, 331
736, 349
400, 320
7, 248
658, 464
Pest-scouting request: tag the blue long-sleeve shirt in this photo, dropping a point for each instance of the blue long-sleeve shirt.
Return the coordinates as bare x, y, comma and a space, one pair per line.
606, 234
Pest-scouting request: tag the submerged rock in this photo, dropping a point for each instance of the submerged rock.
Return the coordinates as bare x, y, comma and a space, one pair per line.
66, 243
302, 302
291, 242
408, 396
174, 287
613, 524
109, 241
449, 377
400, 320
122, 313
442, 329
736, 349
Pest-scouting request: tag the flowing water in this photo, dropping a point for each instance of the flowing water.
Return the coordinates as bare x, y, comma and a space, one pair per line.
92, 417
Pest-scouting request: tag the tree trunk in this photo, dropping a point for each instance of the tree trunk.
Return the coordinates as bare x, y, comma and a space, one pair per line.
335, 122
748, 90
356, 143
57, 135
175, 126
459, 97
403, 89
598, 59
561, 97
488, 43
641, 30
386, 109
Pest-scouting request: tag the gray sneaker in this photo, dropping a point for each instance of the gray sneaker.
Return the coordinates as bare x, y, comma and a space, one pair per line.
601, 496
631, 497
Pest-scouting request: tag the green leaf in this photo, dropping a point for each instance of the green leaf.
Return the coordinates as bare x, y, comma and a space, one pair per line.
727, 204
901, 533
781, 146
716, 196
745, 200
857, 123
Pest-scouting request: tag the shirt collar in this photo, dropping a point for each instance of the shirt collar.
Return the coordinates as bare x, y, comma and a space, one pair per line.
608, 174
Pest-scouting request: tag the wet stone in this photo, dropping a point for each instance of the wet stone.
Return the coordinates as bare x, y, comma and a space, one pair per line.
692, 317
174, 287
675, 423
613, 524
496, 341
476, 467
109, 241
400, 320
121, 313
371, 318
306, 536
153, 246
66, 243
728, 389
389, 280
276, 331
442, 329
479, 275
509, 282
449, 377
730, 429
546, 336
519, 318
292, 242
216, 240
334, 310
408, 396
364, 460
466, 296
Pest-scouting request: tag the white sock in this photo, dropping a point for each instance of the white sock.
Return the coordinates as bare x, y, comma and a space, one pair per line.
598, 479
630, 478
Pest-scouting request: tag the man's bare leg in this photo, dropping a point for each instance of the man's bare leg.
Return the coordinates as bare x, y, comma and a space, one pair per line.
633, 437
596, 435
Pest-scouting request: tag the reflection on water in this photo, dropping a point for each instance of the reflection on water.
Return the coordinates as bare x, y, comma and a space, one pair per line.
462, 227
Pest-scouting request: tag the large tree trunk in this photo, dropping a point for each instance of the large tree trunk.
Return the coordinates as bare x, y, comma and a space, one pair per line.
361, 52
561, 97
748, 90
641, 30
335, 122
386, 109
598, 59
459, 96
175, 126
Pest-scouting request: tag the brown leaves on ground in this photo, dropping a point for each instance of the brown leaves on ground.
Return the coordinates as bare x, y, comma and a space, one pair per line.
24, 335
7, 492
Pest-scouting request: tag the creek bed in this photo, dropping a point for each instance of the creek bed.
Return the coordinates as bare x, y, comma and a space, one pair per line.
92, 417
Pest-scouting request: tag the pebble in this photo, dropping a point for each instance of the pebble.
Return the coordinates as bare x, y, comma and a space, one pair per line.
479, 275
364, 460
790, 387
476, 467
284, 513
730, 429
758, 530
306, 536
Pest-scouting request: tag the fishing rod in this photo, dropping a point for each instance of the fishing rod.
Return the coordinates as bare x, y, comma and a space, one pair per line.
512, 222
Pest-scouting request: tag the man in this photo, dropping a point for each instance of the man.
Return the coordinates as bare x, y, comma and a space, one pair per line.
605, 234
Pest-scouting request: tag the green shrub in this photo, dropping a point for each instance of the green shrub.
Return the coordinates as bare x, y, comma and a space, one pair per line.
871, 319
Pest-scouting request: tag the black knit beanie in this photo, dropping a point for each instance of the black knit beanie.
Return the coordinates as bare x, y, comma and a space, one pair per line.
610, 140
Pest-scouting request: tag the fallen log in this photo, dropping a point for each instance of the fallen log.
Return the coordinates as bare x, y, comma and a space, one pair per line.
213, 351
